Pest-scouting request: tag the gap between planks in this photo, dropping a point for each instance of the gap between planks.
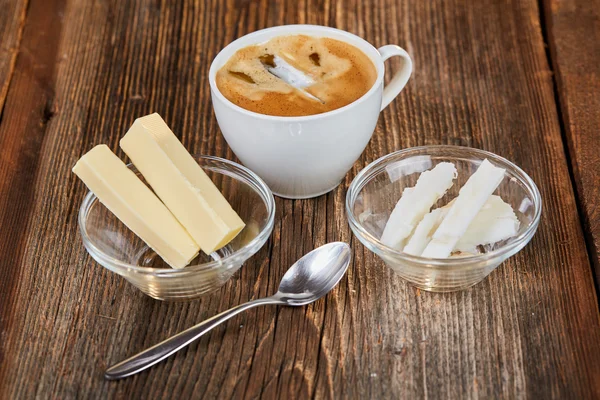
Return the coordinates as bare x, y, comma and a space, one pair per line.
589, 245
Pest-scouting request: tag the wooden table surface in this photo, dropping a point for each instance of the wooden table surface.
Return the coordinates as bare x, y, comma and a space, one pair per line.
518, 78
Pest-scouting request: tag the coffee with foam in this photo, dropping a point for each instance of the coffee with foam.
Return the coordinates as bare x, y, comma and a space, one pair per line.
296, 75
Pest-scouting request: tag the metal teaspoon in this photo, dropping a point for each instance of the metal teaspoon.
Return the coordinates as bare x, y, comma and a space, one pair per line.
309, 279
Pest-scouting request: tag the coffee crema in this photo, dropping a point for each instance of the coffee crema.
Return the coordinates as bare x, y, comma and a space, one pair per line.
296, 75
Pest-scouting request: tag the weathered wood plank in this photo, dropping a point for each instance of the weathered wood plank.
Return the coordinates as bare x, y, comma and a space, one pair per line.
24, 123
12, 21
574, 40
482, 79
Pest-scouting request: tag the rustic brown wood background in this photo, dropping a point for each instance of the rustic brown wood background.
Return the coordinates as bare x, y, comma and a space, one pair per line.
519, 78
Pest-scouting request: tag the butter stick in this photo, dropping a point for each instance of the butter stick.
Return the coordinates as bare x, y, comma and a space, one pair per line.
181, 183
126, 196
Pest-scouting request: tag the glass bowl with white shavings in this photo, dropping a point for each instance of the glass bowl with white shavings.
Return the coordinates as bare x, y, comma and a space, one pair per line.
119, 250
443, 217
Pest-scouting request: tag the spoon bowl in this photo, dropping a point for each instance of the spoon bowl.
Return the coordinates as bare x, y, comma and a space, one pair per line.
309, 279
314, 275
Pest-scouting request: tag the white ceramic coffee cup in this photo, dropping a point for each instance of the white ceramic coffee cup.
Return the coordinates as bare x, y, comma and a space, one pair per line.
302, 157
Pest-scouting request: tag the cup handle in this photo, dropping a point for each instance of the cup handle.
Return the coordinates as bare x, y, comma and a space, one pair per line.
392, 89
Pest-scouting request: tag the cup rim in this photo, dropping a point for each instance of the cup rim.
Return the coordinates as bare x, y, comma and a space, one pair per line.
378, 63
510, 248
237, 257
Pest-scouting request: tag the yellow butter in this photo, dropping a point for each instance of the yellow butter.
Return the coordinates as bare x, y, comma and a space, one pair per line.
181, 183
126, 196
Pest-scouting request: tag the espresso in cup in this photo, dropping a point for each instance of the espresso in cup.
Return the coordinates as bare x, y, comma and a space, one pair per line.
296, 75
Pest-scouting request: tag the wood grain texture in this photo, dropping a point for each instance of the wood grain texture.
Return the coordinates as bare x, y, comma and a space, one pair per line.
12, 21
574, 40
24, 124
532, 329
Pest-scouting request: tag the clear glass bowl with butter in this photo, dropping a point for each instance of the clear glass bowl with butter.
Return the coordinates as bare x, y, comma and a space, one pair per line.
119, 250
374, 192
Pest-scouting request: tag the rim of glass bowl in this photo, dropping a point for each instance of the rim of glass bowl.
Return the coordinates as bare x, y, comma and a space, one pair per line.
239, 256
378, 165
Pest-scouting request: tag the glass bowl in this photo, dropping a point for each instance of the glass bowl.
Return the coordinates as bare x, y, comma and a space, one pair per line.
119, 250
374, 192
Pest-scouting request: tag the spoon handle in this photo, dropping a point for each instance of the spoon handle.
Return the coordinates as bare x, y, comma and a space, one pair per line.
164, 349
